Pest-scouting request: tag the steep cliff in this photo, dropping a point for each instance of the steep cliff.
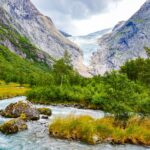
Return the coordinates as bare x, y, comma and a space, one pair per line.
125, 42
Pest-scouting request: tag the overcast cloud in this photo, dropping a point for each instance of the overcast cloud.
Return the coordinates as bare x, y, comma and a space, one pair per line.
75, 9
66, 14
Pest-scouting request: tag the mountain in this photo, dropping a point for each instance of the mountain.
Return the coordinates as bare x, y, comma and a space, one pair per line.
126, 41
88, 43
15, 42
65, 34
98, 34
23, 16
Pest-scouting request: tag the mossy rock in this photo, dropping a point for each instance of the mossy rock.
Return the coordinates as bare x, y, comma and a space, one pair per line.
45, 111
1, 112
13, 126
15, 110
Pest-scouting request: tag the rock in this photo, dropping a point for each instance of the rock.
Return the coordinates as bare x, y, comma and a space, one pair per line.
44, 117
1, 112
18, 109
13, 126
95, 139
108, 140
45, 111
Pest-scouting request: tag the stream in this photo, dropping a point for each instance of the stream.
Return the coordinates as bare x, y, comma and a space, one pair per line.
37, 138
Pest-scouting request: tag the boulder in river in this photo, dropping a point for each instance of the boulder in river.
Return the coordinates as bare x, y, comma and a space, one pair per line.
15, 110
13, 126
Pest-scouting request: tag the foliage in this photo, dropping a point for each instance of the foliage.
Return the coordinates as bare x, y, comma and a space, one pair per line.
137, 70
16, 69
121, 93
147, 51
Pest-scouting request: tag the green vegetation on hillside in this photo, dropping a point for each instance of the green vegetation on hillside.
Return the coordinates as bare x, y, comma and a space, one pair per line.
138, 70
117, 92
22, 45
13, 68
121, 93
147, 51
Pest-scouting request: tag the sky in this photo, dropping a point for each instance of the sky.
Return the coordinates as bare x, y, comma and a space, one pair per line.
80, 17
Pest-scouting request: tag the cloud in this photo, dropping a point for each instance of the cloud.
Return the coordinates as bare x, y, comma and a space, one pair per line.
65, 12
75, 9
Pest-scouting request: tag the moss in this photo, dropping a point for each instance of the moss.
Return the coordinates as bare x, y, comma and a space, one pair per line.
45, 111
23, 116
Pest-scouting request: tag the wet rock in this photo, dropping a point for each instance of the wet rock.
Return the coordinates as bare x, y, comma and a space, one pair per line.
1, 112
108, 140
95, 139
15, 110
44, 117
13, 126
45, 111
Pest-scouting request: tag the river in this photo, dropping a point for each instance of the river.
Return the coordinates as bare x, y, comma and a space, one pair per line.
37, 138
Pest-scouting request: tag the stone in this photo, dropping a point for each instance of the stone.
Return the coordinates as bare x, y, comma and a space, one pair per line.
15, 110
45, 111
13, 126
44, 117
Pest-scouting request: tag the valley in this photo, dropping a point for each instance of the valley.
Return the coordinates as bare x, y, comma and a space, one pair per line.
93, 91
88, 43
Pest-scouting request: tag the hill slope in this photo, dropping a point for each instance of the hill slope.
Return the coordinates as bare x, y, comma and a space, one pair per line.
40, 30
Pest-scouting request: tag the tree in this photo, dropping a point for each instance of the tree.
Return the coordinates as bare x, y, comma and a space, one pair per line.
62, 69
147, 51
137, 70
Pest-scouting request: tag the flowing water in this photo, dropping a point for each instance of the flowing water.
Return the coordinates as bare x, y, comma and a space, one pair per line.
37, 138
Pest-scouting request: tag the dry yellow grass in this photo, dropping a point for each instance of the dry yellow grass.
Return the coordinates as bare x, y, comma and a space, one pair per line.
11, 90
93, 131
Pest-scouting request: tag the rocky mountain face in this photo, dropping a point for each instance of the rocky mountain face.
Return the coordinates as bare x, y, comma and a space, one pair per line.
40, 30
126, 41
15, 42
65, 34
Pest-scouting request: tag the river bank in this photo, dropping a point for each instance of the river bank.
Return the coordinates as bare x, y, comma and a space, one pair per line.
37, 137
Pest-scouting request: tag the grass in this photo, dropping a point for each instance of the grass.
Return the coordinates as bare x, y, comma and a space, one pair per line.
93, 131
12, 90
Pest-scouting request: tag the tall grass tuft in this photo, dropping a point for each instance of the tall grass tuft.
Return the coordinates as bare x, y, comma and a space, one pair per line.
93, 131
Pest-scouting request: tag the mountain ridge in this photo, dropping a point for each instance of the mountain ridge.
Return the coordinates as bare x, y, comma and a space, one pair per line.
41, 31
125, 43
